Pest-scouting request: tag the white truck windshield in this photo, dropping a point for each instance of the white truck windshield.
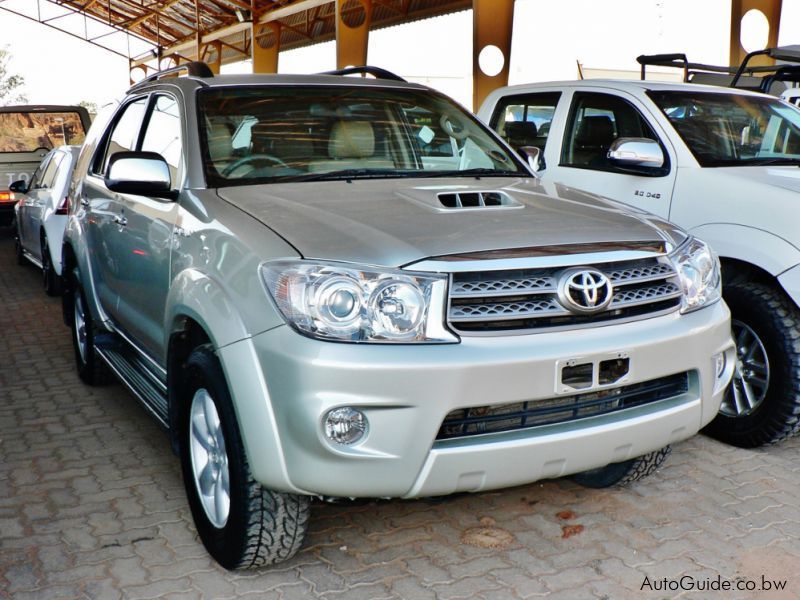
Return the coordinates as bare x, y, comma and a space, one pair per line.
733, 129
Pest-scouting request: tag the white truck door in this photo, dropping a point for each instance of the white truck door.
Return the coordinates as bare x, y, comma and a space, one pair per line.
595, 119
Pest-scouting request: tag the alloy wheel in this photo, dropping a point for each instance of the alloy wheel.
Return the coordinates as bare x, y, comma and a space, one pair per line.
751, 373
80, 325
209, 459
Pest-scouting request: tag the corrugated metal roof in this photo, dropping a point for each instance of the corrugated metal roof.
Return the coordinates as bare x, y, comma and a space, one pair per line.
171, 24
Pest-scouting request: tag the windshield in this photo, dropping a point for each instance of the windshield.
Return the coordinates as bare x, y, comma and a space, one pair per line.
29, 131
266, 134
733, 129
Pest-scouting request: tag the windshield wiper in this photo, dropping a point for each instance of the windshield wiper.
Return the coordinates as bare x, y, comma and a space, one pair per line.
344, 174
777, 160
348, 174
476, 172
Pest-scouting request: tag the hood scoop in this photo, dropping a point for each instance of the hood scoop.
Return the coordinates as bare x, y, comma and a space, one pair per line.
473, 200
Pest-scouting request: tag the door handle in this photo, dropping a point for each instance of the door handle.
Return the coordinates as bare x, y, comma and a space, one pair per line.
121, 221
85, 202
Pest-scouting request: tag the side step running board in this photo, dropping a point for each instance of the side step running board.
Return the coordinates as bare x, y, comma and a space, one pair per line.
148, 387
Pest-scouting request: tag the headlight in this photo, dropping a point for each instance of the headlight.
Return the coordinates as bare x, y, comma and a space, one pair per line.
699, 273
336, 301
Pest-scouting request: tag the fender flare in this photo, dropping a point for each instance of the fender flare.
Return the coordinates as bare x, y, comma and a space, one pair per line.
763, 249
191, 295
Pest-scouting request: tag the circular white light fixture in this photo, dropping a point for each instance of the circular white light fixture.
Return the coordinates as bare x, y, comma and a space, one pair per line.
754, 30
491, 60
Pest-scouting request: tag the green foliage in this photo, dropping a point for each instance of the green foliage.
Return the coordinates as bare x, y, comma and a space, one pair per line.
11, 85
91, 107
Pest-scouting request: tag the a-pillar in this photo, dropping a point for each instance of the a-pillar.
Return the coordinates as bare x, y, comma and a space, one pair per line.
265, 47
353, 18
492, 24
771, 9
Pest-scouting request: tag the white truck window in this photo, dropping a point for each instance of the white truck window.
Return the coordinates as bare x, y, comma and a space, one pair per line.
595, 121
524, 120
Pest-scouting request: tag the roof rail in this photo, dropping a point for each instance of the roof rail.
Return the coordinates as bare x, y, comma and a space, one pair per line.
679, 61
788, 54
194, 68
376, 72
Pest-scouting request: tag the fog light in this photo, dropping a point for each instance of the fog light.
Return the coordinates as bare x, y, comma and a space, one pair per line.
720, 362
345, 425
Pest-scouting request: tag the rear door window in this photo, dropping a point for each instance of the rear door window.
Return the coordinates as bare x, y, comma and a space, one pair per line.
524, 119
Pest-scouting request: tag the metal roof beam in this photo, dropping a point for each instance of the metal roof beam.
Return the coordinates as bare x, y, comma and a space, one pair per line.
188, 43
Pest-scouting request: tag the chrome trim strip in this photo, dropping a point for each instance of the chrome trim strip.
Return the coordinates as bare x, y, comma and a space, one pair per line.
530, 262
647, 279
651, 300
555, 311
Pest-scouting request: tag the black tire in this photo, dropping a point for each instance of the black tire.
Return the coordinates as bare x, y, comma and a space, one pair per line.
624, 473
91, 368
775, 321
52, 282
18, 252
261, 527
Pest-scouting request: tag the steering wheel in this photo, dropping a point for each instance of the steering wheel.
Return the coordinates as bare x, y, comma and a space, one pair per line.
252, 158
453, 126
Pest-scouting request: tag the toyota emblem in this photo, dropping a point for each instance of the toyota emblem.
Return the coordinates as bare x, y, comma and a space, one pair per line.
584, 290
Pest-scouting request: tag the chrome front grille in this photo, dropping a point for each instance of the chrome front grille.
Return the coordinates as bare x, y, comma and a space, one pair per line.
525, 299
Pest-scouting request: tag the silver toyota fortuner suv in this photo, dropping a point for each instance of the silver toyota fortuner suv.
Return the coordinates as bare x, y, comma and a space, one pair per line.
335, 286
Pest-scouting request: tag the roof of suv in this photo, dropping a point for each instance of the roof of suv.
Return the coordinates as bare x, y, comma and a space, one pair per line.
192, 82
634, 85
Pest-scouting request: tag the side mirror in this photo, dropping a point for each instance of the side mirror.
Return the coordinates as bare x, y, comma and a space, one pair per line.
636, 152
140, 173
20, 186
535, 158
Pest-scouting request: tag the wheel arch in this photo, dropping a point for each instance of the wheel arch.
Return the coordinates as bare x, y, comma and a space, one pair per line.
186, 335
199, 312
69, 263
750, 254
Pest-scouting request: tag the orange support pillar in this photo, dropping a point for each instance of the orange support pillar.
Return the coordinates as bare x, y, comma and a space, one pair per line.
771, 9
353, 18
212, 55
265, 47
492, 24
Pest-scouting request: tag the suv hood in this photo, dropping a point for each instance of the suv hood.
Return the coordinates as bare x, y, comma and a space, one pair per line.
786, 177
400, 221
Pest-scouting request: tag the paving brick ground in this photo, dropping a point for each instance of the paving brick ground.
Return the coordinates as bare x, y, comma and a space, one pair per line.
92, 506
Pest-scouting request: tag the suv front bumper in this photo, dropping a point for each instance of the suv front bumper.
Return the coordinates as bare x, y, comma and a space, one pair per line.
283, 384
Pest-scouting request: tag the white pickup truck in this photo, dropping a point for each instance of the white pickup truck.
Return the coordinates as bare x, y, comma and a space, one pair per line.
27, 134
723, 164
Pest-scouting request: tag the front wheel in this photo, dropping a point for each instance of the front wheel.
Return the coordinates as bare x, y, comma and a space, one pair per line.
762, 404
241, 524
625, 472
